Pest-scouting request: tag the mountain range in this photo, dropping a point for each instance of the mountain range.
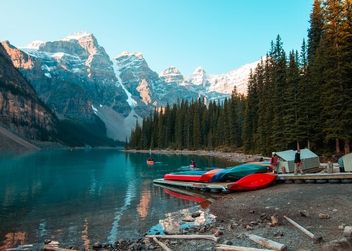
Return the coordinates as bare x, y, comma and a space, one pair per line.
77, 79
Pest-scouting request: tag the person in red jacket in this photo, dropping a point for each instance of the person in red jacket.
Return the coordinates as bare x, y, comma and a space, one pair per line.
273, 162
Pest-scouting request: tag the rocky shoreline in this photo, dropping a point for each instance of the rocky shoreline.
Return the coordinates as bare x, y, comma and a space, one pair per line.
229, 156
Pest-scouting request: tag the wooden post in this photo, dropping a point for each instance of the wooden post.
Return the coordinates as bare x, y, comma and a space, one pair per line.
330, 167
315, 238
267, 243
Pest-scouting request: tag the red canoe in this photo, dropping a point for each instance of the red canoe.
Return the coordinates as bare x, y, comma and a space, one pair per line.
252, 182
207, 176
193, 175
185, 175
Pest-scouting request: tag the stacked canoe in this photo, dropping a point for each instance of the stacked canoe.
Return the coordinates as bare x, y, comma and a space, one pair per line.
247, 176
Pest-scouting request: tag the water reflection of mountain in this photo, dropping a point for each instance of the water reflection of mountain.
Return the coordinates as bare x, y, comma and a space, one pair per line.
80, 197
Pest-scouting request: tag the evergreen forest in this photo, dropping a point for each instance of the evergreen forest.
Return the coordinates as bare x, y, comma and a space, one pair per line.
296, 99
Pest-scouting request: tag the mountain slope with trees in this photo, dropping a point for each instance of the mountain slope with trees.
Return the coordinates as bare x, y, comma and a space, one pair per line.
25, 115
300, 99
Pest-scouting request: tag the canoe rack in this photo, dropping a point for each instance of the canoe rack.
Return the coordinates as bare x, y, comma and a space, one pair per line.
213, 187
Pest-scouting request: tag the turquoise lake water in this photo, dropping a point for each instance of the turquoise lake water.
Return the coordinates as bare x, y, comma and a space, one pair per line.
83, 196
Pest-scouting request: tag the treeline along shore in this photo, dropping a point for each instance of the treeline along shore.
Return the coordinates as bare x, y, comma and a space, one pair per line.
229, 156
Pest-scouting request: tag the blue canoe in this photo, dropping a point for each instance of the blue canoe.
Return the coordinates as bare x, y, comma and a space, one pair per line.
237, 172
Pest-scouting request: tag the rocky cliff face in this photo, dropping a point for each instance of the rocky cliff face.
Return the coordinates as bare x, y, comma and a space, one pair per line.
21, 110
148, 89
76, 78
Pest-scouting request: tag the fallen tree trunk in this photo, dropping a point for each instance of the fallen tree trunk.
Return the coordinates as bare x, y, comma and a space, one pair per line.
189, 237
315, 238
162, 245
267, 243
238, 248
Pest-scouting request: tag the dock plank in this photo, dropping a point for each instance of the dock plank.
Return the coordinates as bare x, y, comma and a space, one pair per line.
198, 185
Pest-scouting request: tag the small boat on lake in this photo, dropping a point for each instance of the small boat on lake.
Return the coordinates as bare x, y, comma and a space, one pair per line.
237, 172
150, 161
253, 182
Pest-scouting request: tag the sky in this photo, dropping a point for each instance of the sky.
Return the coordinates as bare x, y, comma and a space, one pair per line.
218, 35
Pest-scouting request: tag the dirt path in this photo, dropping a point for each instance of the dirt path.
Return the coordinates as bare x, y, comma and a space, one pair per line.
10, 141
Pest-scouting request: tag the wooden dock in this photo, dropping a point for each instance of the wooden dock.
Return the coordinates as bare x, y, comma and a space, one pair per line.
316, 178
319, 178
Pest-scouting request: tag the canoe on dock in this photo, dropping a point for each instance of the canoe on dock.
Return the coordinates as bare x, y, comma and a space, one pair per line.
237, 172
253, 182
192, 175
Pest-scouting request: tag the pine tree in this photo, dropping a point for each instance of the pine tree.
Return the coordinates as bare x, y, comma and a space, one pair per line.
313, 80
250, 115
278, 69
334, 76
179, 125
293, 127
346, 72
196, 127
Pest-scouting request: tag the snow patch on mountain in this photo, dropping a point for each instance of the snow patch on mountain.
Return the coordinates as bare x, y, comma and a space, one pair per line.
76, 35
130, 100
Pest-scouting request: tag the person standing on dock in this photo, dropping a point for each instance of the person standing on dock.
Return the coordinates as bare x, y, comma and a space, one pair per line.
341, 165
298, 162
273, 162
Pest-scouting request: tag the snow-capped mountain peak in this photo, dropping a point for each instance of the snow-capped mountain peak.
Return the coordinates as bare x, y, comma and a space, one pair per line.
77, 35
34, 45
138, 55
171, 75
198, 77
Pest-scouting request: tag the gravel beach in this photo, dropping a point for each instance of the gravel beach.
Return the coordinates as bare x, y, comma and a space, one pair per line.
322, 209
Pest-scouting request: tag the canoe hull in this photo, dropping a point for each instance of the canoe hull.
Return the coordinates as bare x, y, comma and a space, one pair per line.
185, 176
253, 182
198, 176
150, 162
208, 175
237, 172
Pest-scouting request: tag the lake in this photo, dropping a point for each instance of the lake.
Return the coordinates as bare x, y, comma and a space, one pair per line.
84, 196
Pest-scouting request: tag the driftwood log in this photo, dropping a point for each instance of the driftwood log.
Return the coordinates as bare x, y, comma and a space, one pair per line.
188, 237
55, 248
238, 248
162, 245
315, 238
267, 243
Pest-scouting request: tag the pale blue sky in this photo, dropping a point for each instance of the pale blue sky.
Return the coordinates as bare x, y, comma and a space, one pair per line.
219, 35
